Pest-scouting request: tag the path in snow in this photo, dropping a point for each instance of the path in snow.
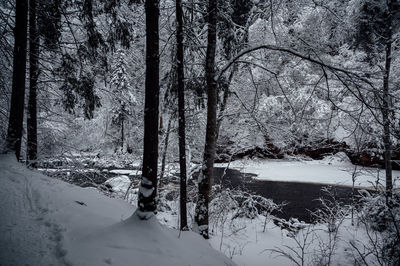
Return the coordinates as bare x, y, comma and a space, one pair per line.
28, 236
45, 221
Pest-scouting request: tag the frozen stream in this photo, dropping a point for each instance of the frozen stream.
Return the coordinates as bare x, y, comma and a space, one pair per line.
297, 183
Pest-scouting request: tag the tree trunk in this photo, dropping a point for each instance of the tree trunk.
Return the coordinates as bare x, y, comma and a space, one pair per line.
147, 204
205, 179
33, 78
387, 98
122, 136
164, 154
15, 122
225, 101
181, 114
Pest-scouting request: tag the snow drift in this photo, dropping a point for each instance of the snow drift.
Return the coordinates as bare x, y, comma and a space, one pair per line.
44, 221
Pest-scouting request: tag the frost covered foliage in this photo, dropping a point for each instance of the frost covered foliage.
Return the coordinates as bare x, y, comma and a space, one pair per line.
228, 205
123, 102
91, 90
6, 42
293, 102
380, 217
300, 119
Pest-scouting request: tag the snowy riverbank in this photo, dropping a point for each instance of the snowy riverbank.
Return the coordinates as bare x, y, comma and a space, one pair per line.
333, 170
44, 221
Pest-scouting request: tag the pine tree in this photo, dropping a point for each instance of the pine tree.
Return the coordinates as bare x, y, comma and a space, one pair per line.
376, 25
124, 100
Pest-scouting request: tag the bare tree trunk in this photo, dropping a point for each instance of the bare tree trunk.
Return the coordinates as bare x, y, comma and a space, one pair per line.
225, 101
147, 203
205, 179
33, 78
122, 136
181, 114
387, 98
15, 122
164, 154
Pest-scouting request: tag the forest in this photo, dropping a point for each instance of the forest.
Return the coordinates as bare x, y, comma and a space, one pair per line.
207, 132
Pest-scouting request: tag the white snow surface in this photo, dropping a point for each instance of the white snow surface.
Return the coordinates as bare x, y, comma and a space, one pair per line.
125, 172
332, 170
45, 221
119, 184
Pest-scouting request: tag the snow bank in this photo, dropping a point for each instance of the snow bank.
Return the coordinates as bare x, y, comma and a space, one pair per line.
45, 221
125, 172
119, 184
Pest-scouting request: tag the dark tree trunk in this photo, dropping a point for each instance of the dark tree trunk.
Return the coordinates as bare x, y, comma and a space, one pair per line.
122, 135
90, 26
33, 78
205, 179
181, 114
16, 117
387, 98
147, 204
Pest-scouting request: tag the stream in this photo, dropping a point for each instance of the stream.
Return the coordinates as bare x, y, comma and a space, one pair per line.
300, 198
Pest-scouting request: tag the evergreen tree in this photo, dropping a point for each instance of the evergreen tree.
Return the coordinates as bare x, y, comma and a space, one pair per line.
377, 23
124, 100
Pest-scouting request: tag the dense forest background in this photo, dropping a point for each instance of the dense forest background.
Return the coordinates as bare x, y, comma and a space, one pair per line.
108, 94
271, 101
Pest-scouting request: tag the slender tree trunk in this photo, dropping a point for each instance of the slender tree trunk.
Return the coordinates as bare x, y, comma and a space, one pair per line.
387, 99
90, 26
181, 114
33, 78
122, 136
147, 204
15, 122
205, 179
164, 154
224, 101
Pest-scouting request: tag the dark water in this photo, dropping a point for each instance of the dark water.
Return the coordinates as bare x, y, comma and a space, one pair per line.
301, 198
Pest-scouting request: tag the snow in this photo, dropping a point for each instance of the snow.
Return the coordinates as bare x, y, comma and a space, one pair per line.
125, 172
246, 242
146, 192
66, 170
332, 170
45, 221
119, 184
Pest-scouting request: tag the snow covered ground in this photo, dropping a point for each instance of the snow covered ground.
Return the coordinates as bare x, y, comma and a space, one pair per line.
335, 169
44, 221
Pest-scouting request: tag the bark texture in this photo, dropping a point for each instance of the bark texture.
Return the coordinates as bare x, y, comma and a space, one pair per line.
205, 179
164, 154
181, 114
33, 78
147, 204
15, 122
